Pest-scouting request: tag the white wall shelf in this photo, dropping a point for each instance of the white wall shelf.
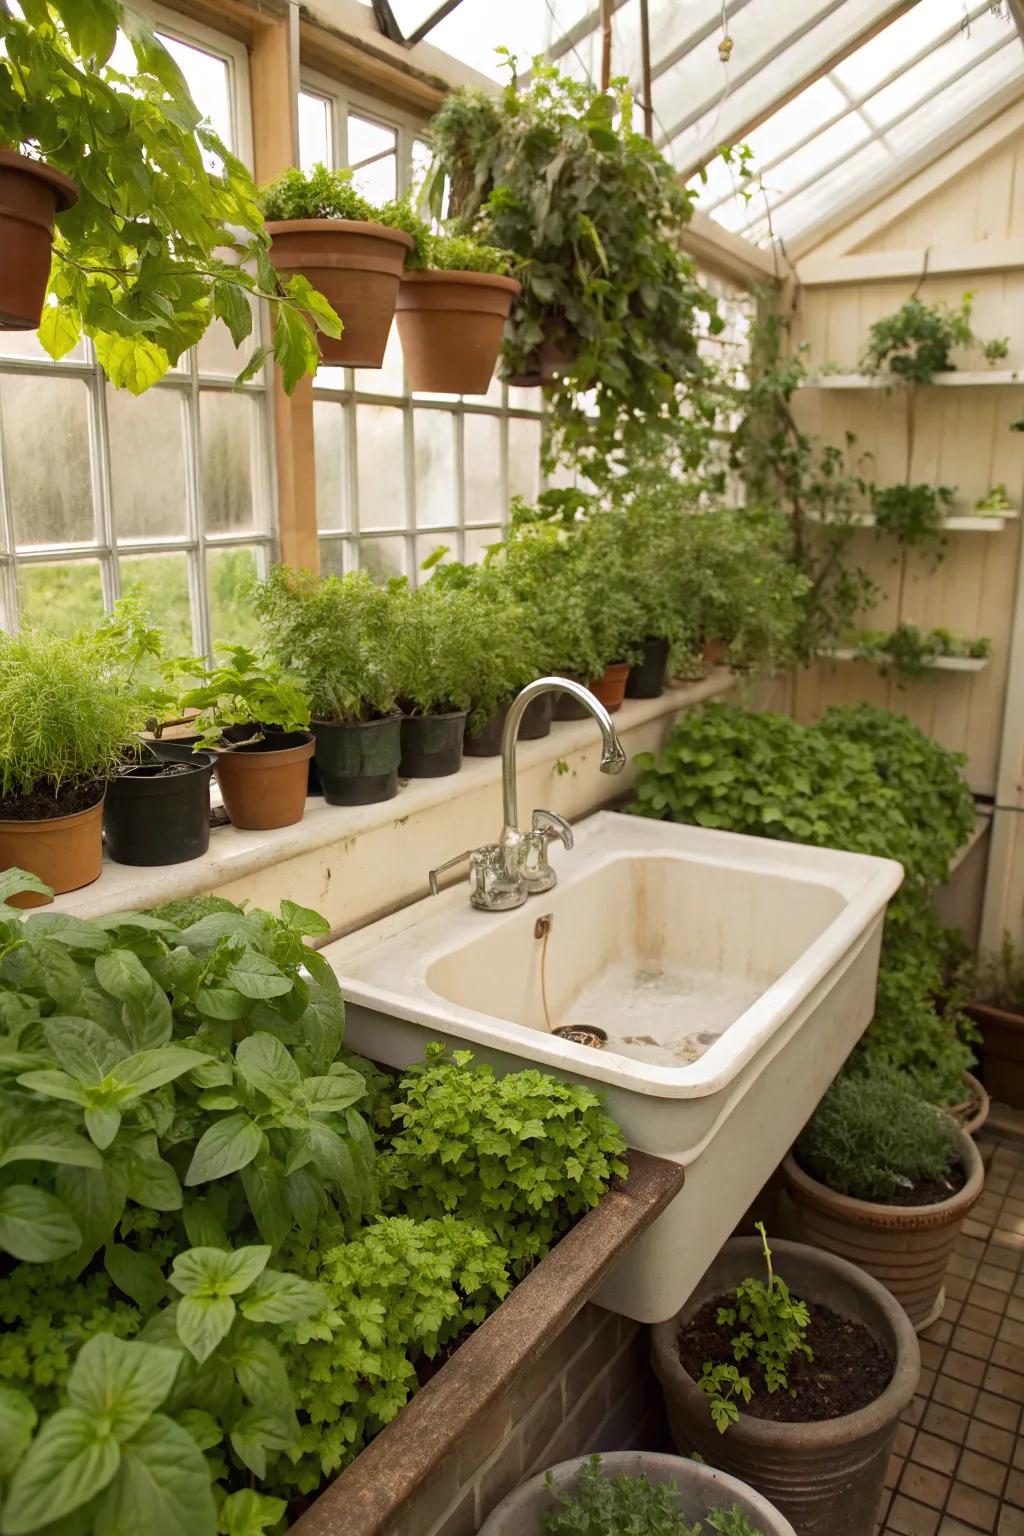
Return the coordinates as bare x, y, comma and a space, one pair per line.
1005, 378
962, 522
938, 664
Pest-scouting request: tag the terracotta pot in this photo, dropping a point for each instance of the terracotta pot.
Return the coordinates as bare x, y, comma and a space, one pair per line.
1002, 1052
973, 1109
450, 324
906, 1247
610, 689
31, 195
264, 783
551, 359
715, 653
698, 1490
64, 851
357, 267
826, 1476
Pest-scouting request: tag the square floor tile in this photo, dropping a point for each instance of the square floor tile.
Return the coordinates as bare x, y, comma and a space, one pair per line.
997, 1410
941, 1455
973, 1507
924, 1485
912, 1519
981, 1472
987, 1440
946, 1422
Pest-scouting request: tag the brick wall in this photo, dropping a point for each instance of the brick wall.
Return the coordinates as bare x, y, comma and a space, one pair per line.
592, 1390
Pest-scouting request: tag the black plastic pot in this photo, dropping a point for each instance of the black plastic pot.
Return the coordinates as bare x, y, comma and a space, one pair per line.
568, 708
647, 677
357, 761
536, 721
158, 814
432, 745
486, 742
177, 749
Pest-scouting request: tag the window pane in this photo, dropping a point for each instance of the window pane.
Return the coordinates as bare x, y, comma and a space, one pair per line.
484, 500
147, 463
436, 502
217, 353
523, 458
378, 180
209, 84
26, 344
60, 597
46, 444
230, 574
314, 132
387, 380
422, 154
161, 581
329, 444
427, 545
332, 557
382, 558
226, 437
366, 138
524, 399
478, 541
381, 445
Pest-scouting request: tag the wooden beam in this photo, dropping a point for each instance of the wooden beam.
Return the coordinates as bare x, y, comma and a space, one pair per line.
358, 63
274, 73
720, 250
240, 19
936, 261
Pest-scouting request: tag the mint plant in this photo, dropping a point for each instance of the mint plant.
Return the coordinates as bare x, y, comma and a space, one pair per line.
242, 691
773, 1325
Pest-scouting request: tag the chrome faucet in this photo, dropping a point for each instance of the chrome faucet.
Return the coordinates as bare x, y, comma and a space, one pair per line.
503, 874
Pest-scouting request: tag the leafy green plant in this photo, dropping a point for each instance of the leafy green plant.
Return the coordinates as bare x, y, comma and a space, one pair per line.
461, 253
908, 652
442, 646
67, 721
554, 172
913, 514
772, 1325
612, 1506
242, 691
158, 245
872, 1137
335, 637
994, 501
510, 657
522, 1155
317, 194
917, 342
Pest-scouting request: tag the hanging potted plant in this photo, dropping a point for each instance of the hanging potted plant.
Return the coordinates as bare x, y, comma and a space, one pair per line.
258, 721
323, 230
32, 195
452, 306
334, 636
883, 1179
66, 728
794, 1382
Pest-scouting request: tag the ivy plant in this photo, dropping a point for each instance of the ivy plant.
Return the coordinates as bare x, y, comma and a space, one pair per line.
918, 341
166, 237
913, 514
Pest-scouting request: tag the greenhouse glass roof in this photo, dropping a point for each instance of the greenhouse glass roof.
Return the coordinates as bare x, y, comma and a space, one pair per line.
837, 98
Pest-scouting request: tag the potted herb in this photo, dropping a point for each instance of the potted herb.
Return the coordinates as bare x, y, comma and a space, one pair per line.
883, 1179
66, 728
452, 306
917, 342
997, 1008
335, 637
643, 1491
438, 635
257, 719
324, 231
913, 514
994, 503
797, 1391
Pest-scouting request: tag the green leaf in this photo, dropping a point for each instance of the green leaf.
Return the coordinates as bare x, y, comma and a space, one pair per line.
75, 932
202, 1426
280, 1297
218, 1271
203, 1321
162, 1487
248, 1513
102, 1123
151, 1069
267, 1066
231, 305
97, 1197
222, 1003
130, 362
121, 1382
295, 347
13, 882
257, 977
35, 1226
225, 1148
201, 1225
301, 291
253, 366
153, 1182
304, 921
17, 1421
50, 1144
330, 1095
66, 1465
138, 1275
56, 1085
265, 1192
261, 1373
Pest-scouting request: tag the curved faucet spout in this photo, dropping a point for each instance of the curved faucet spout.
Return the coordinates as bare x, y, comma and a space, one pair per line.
613, 758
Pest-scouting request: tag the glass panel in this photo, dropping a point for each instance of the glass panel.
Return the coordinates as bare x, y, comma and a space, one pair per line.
26, 344
60, 597
525, 399
378, 180
956, 101
332, 557
824, 149
482, 469
426, 546
147, 463
46, 444
314, 131
329, 443
226, 451
210, 85
476, 28
387, 380
891, 48
230, 574
380, 435
523, 458
382, 558
477, 542
436, 497
366, 138
796, 121
217, 353
162, 583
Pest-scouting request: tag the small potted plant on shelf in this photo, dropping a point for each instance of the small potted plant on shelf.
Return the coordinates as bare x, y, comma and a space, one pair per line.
324, 230
884, 1179
797, 1391
257, 719
438, 632
335, 637
643, 1491
994, 503
996, 989
67, 727
912, 514
452, 306
156, 810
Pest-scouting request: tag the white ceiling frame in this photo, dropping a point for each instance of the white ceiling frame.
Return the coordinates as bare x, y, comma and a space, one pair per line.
817, 47
878, 136
855, 103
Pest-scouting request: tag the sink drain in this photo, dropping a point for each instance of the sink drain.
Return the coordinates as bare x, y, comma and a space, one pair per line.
582, 1034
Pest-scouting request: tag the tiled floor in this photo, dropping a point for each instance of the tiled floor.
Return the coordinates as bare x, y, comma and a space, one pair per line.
958, 1465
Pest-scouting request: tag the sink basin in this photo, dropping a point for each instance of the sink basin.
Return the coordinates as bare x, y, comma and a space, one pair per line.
731, 977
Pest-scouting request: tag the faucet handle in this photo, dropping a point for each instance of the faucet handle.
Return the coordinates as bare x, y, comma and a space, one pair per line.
494, 881
550, 825
460, 858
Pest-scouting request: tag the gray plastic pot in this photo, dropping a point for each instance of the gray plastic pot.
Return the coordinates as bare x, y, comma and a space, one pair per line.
825, 1476
698, 1489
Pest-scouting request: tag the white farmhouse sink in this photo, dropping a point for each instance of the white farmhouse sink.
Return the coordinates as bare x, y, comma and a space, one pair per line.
732, 976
